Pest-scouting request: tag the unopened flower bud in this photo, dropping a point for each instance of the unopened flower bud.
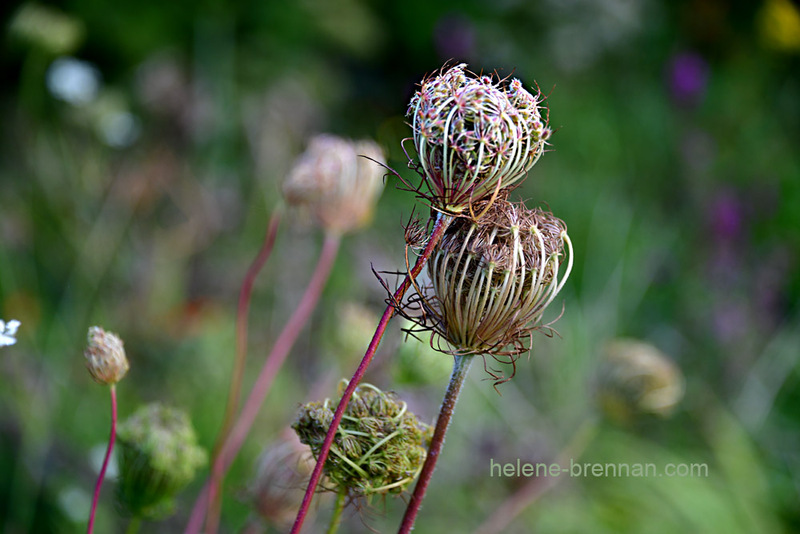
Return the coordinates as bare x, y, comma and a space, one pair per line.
337, 181
379, 448
637, 378
159, 457
474, 136
105, 356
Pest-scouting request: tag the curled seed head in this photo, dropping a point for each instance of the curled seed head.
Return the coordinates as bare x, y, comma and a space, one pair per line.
335, 183
474, 136
492, 279
105, 356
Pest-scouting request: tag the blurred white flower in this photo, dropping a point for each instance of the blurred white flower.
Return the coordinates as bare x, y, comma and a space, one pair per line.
8, 331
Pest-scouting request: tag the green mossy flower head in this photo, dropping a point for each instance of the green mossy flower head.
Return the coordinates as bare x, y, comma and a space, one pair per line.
159, 457
475, 136
379, 447
492, 279
337, 182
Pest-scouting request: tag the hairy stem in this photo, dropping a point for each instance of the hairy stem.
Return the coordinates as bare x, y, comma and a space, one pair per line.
338, 508
442, 222
102, 474
262, 385
460, 369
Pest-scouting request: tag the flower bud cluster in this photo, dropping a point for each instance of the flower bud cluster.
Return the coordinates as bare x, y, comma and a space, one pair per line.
474, 136
491, 279
336, 182
379, 447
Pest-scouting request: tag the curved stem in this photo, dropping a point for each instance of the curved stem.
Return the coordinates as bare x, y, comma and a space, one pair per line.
263, 383
442, 222
338, 508
242, 310
460, 369
102, 474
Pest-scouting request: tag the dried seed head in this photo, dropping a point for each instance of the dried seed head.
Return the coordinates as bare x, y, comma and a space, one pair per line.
335, 183
159, 456
474, 136
492, 279
105, 356
637, 378
379, 448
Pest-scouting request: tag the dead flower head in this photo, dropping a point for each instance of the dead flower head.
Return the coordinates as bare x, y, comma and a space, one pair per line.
492, 279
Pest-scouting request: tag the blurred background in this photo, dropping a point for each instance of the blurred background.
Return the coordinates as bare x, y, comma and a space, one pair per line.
143, 147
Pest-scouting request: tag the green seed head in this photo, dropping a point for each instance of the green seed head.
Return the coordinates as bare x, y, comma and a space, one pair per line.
159, 456
379, 448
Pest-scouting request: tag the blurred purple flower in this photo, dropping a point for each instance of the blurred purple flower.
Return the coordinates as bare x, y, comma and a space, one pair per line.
726, 215
687, 77
454, 37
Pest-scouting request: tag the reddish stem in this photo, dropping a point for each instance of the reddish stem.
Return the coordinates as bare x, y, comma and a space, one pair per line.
264, 381
242, 311
102, 474
442, 222
460, 370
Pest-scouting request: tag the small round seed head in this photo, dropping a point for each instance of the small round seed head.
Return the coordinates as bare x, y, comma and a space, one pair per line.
336, 182
159, 457
474, 136
492, 279
379, 448
637, 378
105, 356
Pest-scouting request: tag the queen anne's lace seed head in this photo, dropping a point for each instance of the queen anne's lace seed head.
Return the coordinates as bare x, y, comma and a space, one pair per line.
492, 279
474, 136
335, 184
379, 447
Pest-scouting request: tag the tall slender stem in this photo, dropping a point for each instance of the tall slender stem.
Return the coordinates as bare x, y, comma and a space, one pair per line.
242, 310
442, 222
460, 369
102, 474
263, 383
338, 508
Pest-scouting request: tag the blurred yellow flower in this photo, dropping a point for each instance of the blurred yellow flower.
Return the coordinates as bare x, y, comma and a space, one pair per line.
779, 25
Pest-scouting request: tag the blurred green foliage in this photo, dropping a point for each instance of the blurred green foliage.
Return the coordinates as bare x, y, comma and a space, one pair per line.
142, 149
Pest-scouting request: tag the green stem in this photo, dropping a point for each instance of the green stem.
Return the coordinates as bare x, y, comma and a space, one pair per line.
460, 369
133, 526
338, 508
